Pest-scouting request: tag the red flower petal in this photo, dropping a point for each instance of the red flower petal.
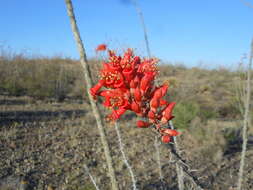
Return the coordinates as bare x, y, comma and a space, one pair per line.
167, 113
164, 88
145, 82
128, 74
163, 102
94, 90
170, 132
158, 93
154, 104
132, 84
151, 115
137, 94
166, 138
143, 124
115, 115
101, 47
135, 107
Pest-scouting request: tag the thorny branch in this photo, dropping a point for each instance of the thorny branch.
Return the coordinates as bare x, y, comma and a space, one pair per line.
184, 166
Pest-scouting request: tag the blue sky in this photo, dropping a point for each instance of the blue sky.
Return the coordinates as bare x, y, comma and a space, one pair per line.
211, 32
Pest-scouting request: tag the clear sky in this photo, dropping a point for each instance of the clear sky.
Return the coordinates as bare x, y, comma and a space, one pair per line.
214, 32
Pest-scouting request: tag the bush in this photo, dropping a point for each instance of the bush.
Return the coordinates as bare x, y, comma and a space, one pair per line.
184, 113
39, 78
208, 113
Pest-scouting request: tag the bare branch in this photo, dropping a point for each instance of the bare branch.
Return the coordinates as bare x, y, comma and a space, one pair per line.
139, 11
84, 63
121, 146
182, 165
180, 174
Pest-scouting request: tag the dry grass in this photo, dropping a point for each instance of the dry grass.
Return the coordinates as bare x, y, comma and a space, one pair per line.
61, 78
47, 142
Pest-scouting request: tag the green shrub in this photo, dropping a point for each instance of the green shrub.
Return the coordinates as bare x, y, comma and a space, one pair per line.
206, 114
184, 113
40, 78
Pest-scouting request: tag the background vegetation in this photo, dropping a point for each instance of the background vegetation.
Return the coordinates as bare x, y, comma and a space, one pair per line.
44, 106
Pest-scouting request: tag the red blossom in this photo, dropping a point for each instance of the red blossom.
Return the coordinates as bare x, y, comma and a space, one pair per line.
114, 60
112, 77
115, 98
129, 84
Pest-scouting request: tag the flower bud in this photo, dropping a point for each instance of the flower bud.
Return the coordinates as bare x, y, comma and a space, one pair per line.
170, 132
137, 94
151, 115
167, 112
135, 107
154, 104
142, 124
166, 138
94, 90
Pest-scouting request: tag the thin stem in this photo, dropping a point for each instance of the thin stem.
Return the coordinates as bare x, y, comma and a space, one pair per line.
245, 122
91, 177
182, 163
180, 174
121, 146
139, 12
84, 63
158, 157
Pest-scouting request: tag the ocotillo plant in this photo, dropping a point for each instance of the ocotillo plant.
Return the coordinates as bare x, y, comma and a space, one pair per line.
127, 83
96, 112
246, 120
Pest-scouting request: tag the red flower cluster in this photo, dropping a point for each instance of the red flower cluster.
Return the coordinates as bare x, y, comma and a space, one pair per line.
130, 86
